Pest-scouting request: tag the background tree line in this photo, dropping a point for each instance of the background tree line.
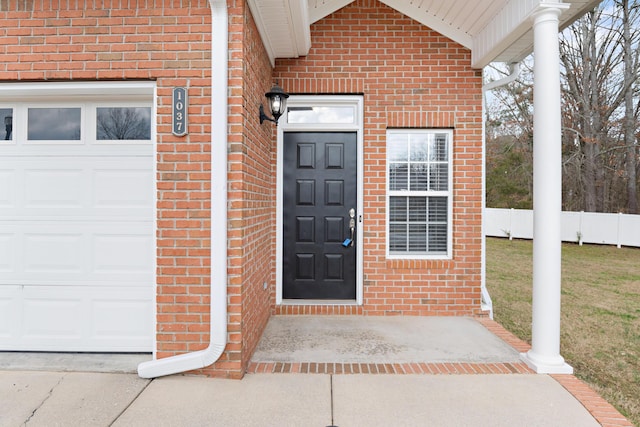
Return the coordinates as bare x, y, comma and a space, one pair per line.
600, 82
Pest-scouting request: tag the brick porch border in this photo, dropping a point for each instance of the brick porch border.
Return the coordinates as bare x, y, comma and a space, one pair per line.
600, 409
387, 368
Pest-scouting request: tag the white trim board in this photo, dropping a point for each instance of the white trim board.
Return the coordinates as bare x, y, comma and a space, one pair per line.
357, 126
95, 294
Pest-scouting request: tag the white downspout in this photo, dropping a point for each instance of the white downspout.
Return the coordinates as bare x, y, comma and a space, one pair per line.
218, 306
486, 304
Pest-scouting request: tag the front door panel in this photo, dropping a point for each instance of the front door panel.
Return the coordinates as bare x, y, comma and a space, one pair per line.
320, 182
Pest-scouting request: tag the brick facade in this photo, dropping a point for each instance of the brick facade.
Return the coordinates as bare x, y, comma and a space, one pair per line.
163, 41
252, 166
409, 75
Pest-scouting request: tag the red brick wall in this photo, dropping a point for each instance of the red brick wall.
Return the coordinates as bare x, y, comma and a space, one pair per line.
410, 77
170, 42
251, 191
259, 183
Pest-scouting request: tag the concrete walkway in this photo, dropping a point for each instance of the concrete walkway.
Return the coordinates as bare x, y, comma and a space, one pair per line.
100, 399
31, 395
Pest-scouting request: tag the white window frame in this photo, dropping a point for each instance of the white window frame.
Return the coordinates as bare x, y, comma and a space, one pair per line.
93, 116
21, 96
429, 193
11, 141
22, 111
88, 123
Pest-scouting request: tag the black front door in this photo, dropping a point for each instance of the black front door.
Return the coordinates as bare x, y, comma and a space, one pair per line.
320, 182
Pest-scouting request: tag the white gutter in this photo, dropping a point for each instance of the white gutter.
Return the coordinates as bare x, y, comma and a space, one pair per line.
486, 303
218, 306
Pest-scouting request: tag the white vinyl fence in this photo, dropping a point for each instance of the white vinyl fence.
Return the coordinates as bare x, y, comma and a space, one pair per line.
580, 227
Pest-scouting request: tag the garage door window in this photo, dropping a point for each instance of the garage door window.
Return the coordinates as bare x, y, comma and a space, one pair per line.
54, 124
123, 123
107, 123
6, 131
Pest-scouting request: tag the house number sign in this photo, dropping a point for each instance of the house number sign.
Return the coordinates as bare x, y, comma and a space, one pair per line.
179, 116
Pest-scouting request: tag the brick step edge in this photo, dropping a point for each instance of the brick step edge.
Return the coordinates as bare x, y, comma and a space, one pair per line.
387, 368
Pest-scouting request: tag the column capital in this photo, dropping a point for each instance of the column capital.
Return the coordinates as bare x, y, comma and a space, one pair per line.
548, 10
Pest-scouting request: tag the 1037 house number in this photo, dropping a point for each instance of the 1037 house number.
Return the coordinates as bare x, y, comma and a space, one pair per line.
179, 111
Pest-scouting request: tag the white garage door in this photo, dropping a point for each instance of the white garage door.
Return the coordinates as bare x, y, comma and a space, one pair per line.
76, 226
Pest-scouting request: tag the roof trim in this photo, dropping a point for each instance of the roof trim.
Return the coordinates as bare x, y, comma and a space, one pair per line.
284, 27
510, 33
325, 9
412, 10
496, 30
504, 29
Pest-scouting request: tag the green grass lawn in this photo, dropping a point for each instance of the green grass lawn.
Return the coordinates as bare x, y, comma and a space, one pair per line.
600, 329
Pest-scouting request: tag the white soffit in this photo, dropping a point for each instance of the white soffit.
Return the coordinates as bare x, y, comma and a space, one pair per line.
508, 36
318, 9
284, 27
494, 30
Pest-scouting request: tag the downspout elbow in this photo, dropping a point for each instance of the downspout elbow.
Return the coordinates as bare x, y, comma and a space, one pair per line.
514, 73
182, 362
218, 301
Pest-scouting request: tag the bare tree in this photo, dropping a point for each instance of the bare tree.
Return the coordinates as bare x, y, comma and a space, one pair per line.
592, 93
123, 123
509, 141
630, 113
600, 82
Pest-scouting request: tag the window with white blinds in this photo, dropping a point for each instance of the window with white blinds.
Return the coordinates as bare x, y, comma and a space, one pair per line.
419, 193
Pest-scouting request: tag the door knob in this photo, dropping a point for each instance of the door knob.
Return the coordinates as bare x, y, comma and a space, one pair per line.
348, 242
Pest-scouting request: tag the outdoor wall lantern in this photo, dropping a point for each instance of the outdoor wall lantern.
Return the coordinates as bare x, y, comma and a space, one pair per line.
8, 126
277, 101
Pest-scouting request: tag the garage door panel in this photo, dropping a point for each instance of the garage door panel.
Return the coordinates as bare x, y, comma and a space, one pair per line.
51, 315
85, 319
53, 253
54, 188
10, 319
113, 317
7, 189
77, 234
126, 253
123, 189
92, 253
76, 187
8, 249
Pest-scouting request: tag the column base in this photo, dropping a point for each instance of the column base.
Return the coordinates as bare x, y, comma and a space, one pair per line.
546, 365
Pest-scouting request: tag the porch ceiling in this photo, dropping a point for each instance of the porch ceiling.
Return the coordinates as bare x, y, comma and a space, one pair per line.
494, 30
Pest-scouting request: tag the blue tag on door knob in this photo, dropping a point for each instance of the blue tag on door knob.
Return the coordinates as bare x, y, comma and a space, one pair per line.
346, 243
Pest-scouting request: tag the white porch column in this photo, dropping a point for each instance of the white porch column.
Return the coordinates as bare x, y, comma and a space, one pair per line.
544, 356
